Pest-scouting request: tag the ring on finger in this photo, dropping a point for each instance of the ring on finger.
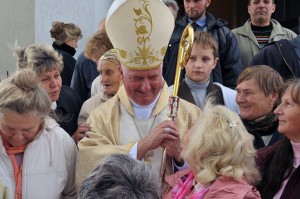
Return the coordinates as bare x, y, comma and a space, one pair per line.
167, 130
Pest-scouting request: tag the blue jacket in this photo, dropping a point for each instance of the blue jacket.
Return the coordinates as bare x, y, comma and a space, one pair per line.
229, 66
83, 76
283, 56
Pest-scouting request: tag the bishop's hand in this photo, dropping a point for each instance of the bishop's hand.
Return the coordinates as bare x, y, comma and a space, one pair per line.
165, 131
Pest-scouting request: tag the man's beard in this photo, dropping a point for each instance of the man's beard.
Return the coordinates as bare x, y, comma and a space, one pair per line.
194, 16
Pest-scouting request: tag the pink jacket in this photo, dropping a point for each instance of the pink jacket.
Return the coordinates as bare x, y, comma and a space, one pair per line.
223, 187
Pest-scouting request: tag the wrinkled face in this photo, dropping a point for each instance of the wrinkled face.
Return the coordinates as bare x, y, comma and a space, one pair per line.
200, 64
288, 113
142, 86
195, 9
252, 101
260, 12
110, 77
19, 129
52, 83
72, 42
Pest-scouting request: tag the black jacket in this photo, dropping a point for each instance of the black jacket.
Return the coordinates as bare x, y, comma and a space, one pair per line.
67, 110
229, 66
67, 53
282, 55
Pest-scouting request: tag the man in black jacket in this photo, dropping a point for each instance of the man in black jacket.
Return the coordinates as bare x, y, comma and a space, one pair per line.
283, 56
229, 66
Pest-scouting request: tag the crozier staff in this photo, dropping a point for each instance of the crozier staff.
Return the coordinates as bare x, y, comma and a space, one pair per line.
134, 121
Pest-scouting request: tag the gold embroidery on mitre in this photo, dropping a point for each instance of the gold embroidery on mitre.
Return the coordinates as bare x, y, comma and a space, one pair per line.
145, 56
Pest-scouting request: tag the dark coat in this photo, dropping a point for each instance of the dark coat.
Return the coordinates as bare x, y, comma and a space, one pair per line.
67, 52
83, 76
67, 110
264, 163
229, 66
282, 55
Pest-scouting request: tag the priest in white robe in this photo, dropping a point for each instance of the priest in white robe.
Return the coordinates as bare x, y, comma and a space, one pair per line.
135, 120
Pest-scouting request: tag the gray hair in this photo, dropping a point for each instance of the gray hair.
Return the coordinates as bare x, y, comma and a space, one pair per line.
119, 176
39, 57
22, 93
173, 4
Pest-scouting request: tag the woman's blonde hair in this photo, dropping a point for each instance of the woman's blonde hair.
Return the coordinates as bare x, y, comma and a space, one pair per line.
61, 31
219, 145
22, 93
39, 57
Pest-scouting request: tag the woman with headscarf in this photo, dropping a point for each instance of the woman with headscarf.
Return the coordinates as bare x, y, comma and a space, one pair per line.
110, 79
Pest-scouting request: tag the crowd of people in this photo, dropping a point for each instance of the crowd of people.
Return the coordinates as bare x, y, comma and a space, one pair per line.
111, 124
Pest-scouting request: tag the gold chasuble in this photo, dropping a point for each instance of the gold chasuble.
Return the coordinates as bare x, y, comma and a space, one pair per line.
113, 130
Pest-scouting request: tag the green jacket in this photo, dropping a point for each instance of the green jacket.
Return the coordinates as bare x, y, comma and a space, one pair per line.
247, 41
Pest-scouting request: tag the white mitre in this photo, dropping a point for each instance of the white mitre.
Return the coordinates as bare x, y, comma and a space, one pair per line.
140, 30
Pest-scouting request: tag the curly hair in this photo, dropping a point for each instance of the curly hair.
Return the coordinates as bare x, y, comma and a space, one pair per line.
97, 45
61, 31
221, 146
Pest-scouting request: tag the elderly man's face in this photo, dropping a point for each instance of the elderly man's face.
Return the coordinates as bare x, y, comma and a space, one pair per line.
260, 11
195, 9
142, 86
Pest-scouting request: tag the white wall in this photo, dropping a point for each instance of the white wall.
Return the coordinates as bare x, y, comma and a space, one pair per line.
17, 24
29, 22
85, 14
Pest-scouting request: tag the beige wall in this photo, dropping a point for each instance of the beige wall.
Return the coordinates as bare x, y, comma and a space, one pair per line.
16, 24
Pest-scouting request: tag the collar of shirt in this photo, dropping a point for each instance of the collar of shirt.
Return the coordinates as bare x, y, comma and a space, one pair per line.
143, 112
53, 106
201, 23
